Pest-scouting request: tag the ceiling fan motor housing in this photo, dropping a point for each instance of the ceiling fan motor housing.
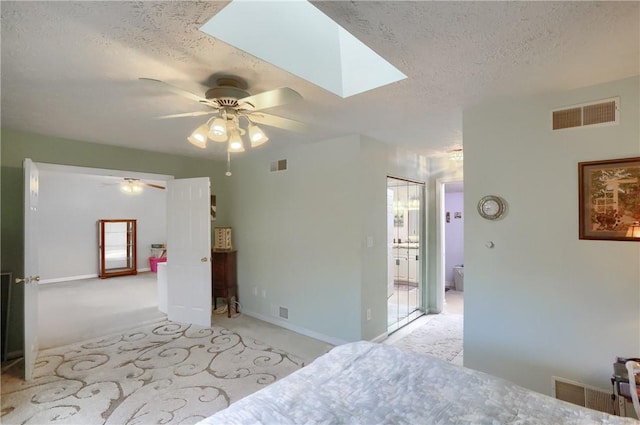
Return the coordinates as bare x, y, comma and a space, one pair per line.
227, 93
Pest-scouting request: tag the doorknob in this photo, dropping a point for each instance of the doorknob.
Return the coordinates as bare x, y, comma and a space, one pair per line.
204, 259
28, 279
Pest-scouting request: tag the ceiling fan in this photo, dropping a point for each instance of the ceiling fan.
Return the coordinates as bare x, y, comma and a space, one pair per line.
230, 103
131, 185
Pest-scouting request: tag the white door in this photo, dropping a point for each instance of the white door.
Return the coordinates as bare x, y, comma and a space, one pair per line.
31, 276
189, 251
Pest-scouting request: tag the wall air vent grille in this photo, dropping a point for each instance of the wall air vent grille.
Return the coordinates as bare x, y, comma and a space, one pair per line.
284, 312
602, 112
599, 113
582, 395
567, 118
279, 165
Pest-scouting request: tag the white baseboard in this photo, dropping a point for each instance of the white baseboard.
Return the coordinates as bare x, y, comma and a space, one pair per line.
67, 279
86, 276
381, 337
304, 331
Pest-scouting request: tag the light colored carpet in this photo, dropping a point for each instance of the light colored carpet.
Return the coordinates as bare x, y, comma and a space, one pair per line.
441, 336
162, 373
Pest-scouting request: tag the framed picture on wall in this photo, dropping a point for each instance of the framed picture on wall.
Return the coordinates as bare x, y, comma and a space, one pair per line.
609, 199
213, 207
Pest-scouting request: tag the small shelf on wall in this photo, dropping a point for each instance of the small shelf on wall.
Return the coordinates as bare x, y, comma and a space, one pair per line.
117, 248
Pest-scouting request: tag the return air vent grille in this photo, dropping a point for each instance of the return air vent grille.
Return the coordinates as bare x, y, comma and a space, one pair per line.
599, 113
567, 118
279, 165
284, 312
602, 112
582, 395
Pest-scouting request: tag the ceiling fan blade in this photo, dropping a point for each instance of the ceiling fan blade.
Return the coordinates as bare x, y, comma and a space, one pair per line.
186, 114
153, 185
176, 90
280, 122
271, 98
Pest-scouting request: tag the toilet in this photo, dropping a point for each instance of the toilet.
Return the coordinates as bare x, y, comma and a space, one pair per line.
458, 278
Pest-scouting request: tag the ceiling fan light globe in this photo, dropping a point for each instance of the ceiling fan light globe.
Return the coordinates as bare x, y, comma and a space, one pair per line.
234, 147
256, 135
235, 143
218, 130
218, 138
199, 137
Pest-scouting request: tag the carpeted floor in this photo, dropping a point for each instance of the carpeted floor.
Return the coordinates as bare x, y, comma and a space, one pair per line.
162, 373
441, 336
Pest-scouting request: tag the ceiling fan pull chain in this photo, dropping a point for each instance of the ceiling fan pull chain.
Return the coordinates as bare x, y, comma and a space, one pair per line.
228, 173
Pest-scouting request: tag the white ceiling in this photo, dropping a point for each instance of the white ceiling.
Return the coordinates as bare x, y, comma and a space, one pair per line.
71, 69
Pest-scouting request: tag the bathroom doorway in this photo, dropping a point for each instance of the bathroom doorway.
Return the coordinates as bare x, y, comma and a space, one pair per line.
405, 236
450, 244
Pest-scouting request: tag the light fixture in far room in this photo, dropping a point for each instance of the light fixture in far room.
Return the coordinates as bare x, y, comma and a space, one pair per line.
634, 230
456, 155
130, 187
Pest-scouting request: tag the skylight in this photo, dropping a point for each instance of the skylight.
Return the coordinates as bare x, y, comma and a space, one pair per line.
297, 37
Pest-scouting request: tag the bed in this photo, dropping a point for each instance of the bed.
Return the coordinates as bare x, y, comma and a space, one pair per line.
367, 383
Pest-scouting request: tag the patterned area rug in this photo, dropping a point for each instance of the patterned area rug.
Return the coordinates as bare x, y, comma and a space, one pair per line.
164, 373
441, 336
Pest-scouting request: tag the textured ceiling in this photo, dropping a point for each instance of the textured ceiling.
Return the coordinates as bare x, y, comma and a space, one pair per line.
71, 69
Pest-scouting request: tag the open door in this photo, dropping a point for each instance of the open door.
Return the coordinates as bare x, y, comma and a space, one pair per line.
189, 251
31, 271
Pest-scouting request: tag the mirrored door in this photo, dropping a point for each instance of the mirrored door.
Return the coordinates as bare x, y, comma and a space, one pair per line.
117, 248
405, 289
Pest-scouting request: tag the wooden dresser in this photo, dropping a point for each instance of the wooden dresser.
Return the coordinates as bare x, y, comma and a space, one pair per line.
224, 278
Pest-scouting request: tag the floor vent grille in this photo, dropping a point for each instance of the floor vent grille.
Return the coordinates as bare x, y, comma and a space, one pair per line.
582, 395
602, 112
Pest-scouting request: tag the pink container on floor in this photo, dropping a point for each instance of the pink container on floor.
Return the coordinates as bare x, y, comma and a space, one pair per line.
153, 262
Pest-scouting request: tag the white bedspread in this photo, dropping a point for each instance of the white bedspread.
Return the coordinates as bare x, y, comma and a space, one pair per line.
366, 383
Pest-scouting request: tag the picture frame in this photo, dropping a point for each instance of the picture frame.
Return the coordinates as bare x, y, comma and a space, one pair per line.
213, 207
609, 198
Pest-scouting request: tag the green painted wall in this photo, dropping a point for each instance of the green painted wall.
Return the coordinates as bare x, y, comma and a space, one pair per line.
298, 236
542, 302
301, 234
15, 146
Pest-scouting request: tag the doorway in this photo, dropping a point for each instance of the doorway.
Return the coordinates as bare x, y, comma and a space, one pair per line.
450, 243
405, 240
74, 304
